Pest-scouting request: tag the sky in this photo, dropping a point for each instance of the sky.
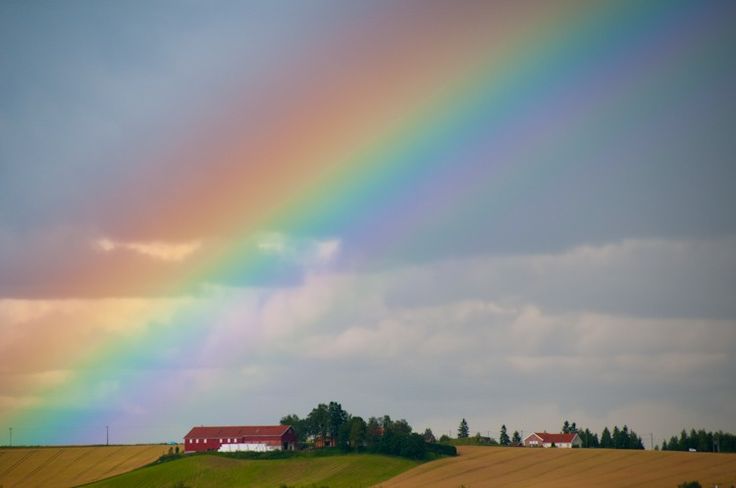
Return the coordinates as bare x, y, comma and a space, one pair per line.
222, 213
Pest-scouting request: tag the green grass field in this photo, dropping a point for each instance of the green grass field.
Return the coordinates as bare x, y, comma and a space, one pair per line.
354, 470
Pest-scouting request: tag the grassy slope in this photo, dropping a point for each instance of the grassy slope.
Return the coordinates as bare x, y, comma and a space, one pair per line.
68, 466
353, 470
478, 467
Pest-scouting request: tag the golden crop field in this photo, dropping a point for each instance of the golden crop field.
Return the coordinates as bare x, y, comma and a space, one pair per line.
478, 467
71, 466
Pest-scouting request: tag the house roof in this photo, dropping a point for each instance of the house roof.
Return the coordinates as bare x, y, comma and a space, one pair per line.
238, 431
556, 438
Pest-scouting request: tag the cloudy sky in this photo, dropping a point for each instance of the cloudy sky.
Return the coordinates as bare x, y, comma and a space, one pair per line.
223, 213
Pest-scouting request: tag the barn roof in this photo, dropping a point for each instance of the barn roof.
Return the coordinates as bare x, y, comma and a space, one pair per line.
239, 431
556, 438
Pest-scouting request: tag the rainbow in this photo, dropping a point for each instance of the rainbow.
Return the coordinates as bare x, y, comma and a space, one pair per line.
355, 154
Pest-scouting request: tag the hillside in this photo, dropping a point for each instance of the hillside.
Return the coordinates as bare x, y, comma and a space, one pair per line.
69, 466
478, 467
353, 470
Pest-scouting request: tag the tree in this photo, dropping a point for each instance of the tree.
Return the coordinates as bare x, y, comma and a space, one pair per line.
357, 432
616, 437
606, 439
504, 437
463, 430
516, 438
429, 436
318, 421
299, 425
337, 417
566, 427
625, 442
589, 438
374, 431
400, 426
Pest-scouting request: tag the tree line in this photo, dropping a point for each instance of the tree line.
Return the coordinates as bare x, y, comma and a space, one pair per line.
702, 441
382, 435
616, 438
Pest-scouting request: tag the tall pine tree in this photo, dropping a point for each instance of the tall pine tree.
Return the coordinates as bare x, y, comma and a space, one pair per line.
504, 437
463, 430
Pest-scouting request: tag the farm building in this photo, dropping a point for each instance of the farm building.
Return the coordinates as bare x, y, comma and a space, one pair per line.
544, 439
241, 438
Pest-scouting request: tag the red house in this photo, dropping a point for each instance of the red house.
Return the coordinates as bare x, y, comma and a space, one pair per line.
241, 438
545, 439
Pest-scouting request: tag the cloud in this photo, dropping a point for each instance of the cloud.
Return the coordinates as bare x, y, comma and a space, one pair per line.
165, 251
327, 250
301, 251
429, 342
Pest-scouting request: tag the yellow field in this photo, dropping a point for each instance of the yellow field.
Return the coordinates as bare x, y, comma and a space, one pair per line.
71, 466
478, 467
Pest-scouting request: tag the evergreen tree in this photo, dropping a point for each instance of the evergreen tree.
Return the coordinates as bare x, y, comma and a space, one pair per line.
606, 440
587, 438
516, 439
463, 430
504, 437
566, 427
616, 438
625, 438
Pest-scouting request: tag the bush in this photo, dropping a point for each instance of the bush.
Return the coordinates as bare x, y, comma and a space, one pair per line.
168, 457
441, 449
690, 484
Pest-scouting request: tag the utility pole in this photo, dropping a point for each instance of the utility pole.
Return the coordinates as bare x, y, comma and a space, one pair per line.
107, 435
651, 441
10, 429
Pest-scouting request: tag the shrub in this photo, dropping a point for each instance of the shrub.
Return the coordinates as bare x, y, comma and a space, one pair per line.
690, 484
442, 449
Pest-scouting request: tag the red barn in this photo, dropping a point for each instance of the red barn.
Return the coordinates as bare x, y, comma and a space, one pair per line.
241, 438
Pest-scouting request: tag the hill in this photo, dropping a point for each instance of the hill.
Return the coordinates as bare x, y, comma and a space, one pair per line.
354, 470
71, 466
479, 467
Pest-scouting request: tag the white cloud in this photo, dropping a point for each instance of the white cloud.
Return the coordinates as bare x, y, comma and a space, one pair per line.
307, 253
164, 251
272, 243
327, 250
